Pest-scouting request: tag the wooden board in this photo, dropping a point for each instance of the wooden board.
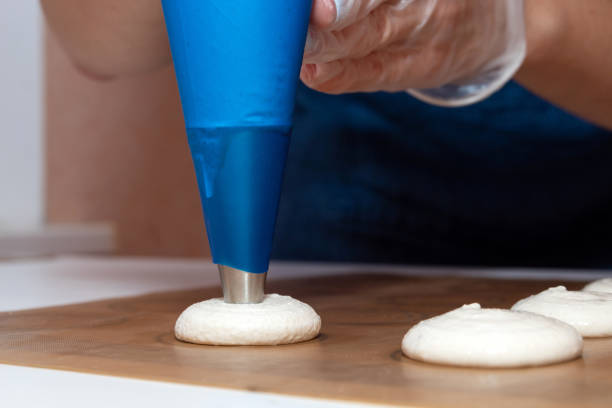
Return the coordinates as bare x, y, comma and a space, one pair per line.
357, 356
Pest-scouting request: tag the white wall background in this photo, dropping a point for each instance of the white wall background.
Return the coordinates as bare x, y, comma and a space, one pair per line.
21, 115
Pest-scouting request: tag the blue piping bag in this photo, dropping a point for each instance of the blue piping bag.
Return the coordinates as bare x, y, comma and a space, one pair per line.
237, 64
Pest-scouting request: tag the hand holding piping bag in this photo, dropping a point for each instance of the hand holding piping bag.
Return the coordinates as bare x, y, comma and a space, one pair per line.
446, 52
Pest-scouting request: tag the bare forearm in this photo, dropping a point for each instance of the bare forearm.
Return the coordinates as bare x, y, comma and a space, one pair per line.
569, 62
111, 37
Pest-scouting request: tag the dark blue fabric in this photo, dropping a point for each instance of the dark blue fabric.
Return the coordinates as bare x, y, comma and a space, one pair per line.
383, 177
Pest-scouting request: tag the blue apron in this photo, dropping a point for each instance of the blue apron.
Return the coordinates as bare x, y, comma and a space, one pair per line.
383, 177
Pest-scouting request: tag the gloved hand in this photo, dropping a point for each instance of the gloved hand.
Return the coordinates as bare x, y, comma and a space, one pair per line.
446, 52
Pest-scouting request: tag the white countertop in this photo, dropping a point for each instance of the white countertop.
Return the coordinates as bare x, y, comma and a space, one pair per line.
51, 282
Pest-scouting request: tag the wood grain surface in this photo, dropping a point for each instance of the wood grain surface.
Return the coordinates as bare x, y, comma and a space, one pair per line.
357, 357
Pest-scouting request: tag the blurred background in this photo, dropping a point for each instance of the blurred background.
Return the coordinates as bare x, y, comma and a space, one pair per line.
21, 116
88, 166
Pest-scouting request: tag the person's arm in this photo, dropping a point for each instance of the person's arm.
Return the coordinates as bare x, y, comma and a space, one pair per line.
568, 61
108, 38
569, 57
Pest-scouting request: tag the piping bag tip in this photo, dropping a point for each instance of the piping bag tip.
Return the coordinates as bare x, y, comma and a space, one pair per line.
240, 174
241, 286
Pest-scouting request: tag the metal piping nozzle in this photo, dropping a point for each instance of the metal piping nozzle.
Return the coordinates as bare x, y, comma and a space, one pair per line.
240, 286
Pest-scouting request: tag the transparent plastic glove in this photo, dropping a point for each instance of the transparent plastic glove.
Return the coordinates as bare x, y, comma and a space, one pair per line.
445, 52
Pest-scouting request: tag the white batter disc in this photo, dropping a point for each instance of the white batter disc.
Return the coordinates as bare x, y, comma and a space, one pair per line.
476, 337
276, 320
601, 285
589, 312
